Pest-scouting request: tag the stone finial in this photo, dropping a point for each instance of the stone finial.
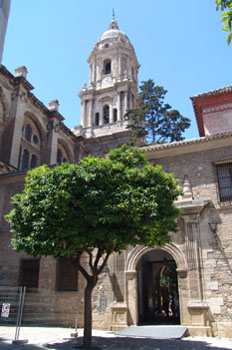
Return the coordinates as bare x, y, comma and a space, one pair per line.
77, 130
21, 72
187, 192
53, 105
179, 198
84, 86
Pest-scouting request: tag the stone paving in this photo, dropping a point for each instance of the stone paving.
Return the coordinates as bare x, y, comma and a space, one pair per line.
59, 339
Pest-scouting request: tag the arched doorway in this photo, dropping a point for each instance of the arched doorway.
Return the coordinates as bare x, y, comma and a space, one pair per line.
158, 299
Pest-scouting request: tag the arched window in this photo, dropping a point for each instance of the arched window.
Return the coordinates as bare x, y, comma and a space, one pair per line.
107, 66
59, 156
28, 132
33, 163
35, 139
97, 119
106, 114
115, 114
25, 160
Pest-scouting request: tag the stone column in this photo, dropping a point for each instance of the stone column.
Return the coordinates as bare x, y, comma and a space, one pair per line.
90, 112
83, 114
90, 74
101, 116
128, 67
132, 297
129, 100
54, 143
126, 102
120, 68
98, 75
111, 115
119, 107
94, 73
183, 290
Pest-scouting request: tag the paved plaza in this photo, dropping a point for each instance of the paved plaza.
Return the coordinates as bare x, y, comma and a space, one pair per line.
60, 339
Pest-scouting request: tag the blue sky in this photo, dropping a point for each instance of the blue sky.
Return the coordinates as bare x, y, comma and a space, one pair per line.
179, 44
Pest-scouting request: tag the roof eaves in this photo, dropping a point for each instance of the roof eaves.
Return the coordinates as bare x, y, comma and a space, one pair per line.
205, 139
214, 92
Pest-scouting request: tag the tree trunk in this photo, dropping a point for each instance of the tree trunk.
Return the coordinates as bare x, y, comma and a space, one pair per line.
87, 342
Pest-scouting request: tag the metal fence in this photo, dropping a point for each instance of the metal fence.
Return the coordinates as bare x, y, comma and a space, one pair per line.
10, 301
21, 308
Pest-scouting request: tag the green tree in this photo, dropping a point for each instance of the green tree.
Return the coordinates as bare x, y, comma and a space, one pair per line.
97, 207
155, 118
226, 7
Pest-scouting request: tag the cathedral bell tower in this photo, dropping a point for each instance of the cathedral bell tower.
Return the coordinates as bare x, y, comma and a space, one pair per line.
113, 86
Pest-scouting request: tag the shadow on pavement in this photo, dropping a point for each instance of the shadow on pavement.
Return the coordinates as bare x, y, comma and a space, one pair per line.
128, 343
7, 345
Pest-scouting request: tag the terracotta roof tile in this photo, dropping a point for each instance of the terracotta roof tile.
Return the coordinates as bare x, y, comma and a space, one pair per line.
214, 92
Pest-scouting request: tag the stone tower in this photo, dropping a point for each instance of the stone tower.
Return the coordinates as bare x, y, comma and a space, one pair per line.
113, 86
4, 13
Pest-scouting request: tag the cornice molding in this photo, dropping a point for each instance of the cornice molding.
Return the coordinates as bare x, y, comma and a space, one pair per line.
217, 108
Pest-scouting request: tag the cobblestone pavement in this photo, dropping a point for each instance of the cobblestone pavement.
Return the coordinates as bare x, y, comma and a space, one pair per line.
59, 339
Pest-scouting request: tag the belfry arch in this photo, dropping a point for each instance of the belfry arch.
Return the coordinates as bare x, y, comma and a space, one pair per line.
132, 278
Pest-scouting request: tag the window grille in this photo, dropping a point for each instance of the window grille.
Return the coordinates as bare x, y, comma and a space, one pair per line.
29, 273
67, 275
224, 175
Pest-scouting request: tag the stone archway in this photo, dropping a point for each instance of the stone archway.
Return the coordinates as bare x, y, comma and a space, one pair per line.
158, 298
131, 272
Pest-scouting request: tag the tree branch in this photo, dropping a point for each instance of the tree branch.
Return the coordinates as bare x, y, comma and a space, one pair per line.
98, 257
81, 268
90, 260
105, 260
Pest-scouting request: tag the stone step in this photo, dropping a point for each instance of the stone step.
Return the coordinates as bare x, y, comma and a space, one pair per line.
156, 332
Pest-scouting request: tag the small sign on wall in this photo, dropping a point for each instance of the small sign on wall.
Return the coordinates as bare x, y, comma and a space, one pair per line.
102, 304
5, 310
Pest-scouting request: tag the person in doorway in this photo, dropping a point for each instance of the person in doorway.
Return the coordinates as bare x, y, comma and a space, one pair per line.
172, 306
165, 295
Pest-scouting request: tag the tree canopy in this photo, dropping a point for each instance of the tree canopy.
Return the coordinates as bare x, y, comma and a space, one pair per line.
226, 7
98, 206
153, 118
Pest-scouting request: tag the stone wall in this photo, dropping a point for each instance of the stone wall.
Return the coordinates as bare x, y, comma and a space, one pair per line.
203, 257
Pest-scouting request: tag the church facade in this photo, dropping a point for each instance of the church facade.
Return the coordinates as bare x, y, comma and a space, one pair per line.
189, 280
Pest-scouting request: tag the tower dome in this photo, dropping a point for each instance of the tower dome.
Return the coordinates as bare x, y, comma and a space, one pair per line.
113, 34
